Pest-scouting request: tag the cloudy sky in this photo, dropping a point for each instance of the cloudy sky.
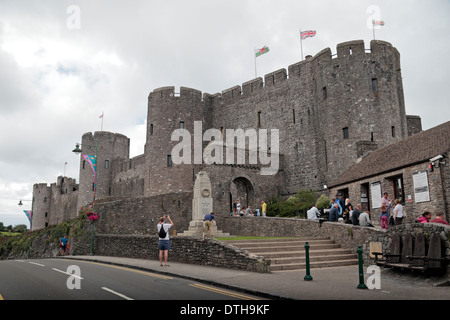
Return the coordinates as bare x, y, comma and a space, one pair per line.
64, 63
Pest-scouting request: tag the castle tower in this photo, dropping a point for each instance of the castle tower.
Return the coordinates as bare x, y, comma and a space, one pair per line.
168, 111
41, 206
358, 103
108, 146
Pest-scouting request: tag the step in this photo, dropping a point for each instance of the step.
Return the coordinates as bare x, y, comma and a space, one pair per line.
285, 248
334, 257
302, 253
320, 264
267, 244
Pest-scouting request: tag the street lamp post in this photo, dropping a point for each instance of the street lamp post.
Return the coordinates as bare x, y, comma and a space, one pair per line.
30, 218
78, 151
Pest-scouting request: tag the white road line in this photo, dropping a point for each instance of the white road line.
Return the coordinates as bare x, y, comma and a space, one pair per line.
38, 264
70, 274
116, 293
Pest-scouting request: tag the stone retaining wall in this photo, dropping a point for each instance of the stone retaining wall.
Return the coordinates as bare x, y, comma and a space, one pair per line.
183, 249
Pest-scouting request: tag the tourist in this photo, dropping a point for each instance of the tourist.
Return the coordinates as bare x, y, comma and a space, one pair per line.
385, 199
355, 215
364, 219
398, 212
263, 208
208, 222
333, 202
347, 209
238, 207
64, 244
425, 217
164, 241
248, 212
313, 213
439, 218
334, 213
384, 216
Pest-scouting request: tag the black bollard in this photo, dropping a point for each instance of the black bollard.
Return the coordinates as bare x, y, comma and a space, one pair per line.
308, 276
361, 284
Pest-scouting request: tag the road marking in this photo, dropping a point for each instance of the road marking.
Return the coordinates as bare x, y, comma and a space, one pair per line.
227, 293
70, 274
38, 264
132, 270
118, 294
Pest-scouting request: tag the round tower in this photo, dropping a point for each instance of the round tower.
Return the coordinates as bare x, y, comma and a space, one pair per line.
358, 102
41, 206
106, 147
167, 112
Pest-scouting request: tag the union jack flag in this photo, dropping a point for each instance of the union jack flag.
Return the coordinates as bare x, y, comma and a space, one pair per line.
307, 34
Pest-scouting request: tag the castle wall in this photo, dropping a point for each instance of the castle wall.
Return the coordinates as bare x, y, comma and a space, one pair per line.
41, 205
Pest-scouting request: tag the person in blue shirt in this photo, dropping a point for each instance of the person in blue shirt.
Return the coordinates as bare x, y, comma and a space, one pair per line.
64, 244
208, 224
336, 201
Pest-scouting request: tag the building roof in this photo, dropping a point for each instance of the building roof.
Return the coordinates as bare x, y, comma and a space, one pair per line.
414, 149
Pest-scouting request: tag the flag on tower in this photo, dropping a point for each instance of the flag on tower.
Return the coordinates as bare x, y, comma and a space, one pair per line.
29, 214
307, 34
261, 51
377, 23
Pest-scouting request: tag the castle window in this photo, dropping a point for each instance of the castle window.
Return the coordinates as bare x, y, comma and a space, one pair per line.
371, 136
393, 131
151, 129
259, 119
106, 164
374, 84
84, 164
181, 124
169, 161
324, 92
345, 132
293, 115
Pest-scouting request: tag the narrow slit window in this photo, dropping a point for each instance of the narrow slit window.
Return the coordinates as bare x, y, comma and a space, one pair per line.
259, 119
345, 132
393, 131
169, 161
324, 92
374, 84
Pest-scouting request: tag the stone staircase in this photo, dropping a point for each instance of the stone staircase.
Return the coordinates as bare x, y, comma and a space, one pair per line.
289, 254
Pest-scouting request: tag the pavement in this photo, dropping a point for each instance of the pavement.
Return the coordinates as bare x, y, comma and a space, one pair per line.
334, 283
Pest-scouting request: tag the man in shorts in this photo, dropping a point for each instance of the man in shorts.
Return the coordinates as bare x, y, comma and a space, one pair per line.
208, 224
164, 242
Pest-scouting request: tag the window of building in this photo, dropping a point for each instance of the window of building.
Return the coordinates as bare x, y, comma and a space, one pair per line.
345, 132
397, 183
393, 131
169, 161
293, 115
324, 92
151, 129
181, 124
259, 119
374, 84
106, 164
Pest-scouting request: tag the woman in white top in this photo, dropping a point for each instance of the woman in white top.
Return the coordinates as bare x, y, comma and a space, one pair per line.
398, 212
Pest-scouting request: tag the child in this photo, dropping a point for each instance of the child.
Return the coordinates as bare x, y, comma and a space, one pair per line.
384, 216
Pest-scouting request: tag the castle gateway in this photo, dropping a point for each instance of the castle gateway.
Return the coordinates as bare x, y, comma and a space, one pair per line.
318, 117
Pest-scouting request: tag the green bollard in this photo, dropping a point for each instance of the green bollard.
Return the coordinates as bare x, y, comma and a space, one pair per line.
361, 284
308, 276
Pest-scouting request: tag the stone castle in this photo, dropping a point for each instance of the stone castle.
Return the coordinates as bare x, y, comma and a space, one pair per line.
328, 112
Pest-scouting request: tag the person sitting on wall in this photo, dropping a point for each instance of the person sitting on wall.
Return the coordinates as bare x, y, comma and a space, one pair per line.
425, 217
364, 219
313, 213
334, 213
439, 218
355, 215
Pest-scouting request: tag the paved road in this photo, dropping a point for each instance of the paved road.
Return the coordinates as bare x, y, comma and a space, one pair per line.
59, 279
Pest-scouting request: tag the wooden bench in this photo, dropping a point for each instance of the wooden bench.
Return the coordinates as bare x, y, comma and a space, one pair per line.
404, 255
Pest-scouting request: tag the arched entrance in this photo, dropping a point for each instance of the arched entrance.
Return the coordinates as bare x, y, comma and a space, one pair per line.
242, 189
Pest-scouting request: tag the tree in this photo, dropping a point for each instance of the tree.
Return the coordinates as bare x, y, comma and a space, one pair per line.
20, 228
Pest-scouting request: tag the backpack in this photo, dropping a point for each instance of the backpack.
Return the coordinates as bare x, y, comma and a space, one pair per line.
162, 233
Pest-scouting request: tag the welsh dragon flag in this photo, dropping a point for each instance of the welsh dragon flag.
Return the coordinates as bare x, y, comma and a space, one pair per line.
262, 51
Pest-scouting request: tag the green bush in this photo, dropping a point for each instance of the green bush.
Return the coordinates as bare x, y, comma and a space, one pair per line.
296, 206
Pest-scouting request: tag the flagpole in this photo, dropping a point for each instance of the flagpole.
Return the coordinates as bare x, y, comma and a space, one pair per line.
103, 114
373, 29
254, 56
301, 43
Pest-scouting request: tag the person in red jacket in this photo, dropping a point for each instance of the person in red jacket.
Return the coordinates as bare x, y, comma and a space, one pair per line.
439, 218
